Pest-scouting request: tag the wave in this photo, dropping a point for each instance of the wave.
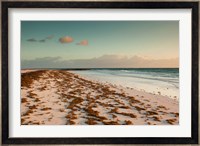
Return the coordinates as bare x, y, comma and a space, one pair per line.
163, 75
164, 81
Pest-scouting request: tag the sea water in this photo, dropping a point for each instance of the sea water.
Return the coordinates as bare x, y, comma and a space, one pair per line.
163, 81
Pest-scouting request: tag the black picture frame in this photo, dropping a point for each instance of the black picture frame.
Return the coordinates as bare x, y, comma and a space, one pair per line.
99, 5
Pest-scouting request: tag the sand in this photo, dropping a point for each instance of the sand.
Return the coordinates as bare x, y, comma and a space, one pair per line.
56, 97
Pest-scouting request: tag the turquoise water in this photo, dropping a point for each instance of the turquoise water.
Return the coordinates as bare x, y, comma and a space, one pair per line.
170, 75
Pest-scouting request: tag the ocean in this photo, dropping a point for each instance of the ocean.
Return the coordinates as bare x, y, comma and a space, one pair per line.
164, 81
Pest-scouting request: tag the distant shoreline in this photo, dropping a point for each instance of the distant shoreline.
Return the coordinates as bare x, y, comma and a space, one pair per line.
88, 68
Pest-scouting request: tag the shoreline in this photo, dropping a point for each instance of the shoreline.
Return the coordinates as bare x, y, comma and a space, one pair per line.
54, 97
131, 80
128, 89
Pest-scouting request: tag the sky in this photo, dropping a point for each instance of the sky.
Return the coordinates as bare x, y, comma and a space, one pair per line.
99, 44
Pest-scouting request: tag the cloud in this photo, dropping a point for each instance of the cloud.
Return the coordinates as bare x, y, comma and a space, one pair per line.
32, 40
42, 40
66, 39
106, 61
83, 43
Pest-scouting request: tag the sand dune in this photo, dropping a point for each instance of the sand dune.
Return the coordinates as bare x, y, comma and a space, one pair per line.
56, 97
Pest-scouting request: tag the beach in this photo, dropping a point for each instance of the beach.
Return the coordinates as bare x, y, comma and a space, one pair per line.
60, 97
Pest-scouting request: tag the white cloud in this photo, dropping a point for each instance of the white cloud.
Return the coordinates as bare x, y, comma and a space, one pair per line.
106, 61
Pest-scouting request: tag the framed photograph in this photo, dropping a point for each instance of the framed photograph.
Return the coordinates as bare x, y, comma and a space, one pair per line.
100, 72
